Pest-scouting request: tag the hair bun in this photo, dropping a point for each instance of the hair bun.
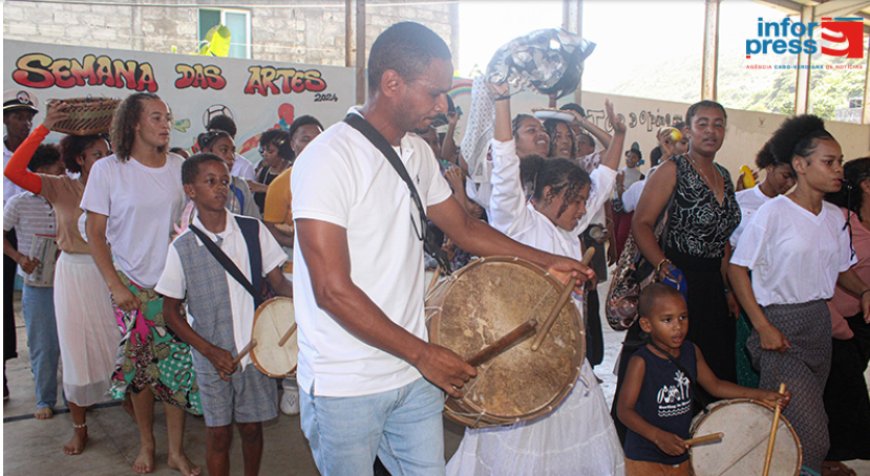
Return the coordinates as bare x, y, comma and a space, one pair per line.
791, 133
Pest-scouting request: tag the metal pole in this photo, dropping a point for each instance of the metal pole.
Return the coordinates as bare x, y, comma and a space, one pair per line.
348, 33
802, 76
710, 58
360, 51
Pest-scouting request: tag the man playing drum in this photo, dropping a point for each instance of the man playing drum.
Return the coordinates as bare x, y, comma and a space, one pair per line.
221, 311
359, 268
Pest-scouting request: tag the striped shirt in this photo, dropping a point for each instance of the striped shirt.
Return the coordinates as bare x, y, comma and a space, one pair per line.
30, 215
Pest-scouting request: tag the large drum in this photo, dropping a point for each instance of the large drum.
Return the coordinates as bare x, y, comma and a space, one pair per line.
481, 303
272, 320
746, 425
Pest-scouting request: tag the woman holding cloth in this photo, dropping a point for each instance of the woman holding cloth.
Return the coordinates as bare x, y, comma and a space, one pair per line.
133, 199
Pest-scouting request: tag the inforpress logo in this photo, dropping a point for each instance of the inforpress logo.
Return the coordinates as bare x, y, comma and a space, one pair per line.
842, 37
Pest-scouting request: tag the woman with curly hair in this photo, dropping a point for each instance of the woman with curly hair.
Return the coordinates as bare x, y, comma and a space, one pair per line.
798, 249
86, 332
132, 199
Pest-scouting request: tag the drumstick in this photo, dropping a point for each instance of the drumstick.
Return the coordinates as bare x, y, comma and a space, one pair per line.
245, 350
563, 298
284, 338
704, 439
507, 341
772, 439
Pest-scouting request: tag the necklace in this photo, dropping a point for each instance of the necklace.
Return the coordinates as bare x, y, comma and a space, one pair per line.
704, 177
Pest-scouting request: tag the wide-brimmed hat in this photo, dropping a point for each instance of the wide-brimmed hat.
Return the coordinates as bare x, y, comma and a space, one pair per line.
19, 99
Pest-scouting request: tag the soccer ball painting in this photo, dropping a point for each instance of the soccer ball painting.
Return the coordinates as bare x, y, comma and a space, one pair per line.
213, 111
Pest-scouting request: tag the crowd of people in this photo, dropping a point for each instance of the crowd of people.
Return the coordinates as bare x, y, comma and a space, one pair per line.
177, 239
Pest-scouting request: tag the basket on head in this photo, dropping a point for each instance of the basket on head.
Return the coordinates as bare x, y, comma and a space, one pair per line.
87, 116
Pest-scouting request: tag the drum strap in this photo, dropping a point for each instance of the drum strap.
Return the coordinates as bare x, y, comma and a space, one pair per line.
380, 142
251, 235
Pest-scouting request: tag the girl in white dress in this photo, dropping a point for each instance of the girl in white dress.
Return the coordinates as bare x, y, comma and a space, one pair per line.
578, 437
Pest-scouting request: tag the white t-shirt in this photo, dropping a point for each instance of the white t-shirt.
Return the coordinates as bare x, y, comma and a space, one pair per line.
243, 168
173, 283
342, 179
142, 204
631, 196
795, 256
750, 200
9, 188
512, 215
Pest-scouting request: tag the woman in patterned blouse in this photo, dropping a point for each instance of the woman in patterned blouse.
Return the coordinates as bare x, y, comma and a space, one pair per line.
701, 217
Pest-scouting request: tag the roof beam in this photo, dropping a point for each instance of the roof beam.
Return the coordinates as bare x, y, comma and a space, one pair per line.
840, 8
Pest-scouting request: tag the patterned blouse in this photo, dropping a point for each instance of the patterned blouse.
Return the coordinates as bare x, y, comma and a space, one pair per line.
699, 226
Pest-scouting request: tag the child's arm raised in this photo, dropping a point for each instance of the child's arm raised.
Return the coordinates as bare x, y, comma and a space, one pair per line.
279, 283
220, 358
725, 389
668, 442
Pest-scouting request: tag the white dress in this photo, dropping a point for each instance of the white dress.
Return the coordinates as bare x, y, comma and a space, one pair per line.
579, 437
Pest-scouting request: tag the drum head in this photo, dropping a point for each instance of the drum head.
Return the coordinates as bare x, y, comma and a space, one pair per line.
483, 302
271, 321
746, 425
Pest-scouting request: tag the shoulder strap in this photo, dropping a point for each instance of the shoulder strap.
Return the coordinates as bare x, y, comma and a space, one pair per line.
227, 263
251, 231
380, 142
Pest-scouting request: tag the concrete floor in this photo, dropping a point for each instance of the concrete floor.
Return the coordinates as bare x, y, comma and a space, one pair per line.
34, 448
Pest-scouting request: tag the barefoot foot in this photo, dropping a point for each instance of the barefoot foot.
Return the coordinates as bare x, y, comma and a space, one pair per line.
43, 413
77, 443
183, 465
144, 462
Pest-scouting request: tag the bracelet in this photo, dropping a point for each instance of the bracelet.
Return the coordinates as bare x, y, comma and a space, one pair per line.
503, 97
662, 263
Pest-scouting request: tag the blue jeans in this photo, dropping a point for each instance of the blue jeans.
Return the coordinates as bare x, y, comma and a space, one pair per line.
403, 427
38, 307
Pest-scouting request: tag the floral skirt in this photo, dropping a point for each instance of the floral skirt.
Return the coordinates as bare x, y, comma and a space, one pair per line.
151, 356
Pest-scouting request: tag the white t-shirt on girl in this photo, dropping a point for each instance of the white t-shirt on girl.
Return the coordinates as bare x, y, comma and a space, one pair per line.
142, 204
795, 256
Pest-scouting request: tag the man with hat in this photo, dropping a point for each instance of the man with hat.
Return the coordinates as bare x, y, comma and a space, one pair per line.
19, 107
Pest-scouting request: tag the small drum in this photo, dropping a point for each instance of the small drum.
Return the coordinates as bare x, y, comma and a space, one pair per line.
746, 425
482, 302
271, 321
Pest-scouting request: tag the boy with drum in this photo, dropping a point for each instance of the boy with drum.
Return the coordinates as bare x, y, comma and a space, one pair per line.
655, 403
221, 311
